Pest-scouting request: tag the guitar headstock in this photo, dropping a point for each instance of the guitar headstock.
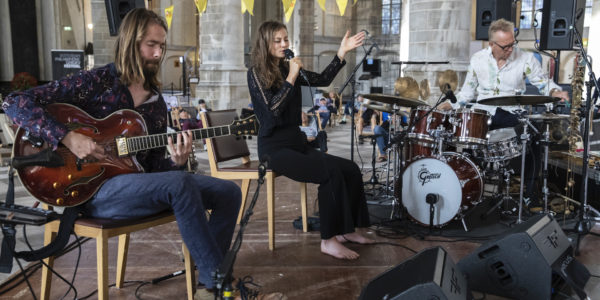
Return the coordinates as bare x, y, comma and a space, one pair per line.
246, 126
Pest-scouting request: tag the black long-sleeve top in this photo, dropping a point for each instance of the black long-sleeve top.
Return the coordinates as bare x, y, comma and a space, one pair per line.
282, 107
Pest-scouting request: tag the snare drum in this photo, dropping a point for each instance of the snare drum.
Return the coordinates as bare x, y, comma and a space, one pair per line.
453, 179
470, 127
503, 144
421, 132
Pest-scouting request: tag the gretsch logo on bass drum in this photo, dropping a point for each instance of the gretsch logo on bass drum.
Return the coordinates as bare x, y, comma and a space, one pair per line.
425, 176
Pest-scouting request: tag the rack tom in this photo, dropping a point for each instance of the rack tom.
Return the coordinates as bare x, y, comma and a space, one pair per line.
424, 126
470, 127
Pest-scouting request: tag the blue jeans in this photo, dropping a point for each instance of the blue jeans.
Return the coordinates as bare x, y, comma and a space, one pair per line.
188, 195
382, 140
324, 118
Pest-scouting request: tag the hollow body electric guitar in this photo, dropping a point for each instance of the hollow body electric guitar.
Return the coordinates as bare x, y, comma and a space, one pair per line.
59, 178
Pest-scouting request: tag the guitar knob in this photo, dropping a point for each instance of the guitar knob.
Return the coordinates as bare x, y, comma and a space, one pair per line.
70, 176
60, 201
56, 185
74, 194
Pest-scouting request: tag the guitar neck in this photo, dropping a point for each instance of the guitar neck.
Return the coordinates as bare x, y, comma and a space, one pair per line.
141, 143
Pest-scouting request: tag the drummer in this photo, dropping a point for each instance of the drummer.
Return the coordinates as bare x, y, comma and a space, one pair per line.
500, 70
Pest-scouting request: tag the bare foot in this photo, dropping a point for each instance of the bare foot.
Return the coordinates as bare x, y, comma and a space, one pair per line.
354, 237
334, 248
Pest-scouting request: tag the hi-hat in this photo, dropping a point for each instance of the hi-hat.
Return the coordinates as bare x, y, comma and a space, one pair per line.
548, 116
518, 100
389, 99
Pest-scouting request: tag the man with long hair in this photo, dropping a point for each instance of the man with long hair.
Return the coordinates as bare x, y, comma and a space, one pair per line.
131, 82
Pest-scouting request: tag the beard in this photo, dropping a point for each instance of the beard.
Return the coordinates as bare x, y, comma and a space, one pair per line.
151, 68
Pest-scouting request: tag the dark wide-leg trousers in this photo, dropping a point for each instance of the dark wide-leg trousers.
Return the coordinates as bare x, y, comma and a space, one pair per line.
342, 203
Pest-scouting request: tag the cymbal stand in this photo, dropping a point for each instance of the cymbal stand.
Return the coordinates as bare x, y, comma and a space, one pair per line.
545, 141
524, 138
584, 224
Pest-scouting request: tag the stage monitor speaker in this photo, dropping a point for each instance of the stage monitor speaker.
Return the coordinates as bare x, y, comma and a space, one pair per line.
527, 263
489, 11
116, 11
430, 274
557, 19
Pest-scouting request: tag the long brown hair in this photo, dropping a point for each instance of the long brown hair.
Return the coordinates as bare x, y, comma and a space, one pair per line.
266, 65
128, 59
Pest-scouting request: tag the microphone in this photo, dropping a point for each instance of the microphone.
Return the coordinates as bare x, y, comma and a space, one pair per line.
369, 37
449, 94
289, 54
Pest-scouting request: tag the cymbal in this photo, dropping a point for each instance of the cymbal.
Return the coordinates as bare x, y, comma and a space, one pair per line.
548, 116
518, 100
379, 106
389, 99
384, 107
406, 87
448, 78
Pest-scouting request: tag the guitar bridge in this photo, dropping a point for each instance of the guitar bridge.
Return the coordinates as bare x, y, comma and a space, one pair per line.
122, 146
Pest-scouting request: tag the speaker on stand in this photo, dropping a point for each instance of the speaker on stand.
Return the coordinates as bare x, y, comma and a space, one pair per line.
557, 18
489, 11
527, 263
116, 11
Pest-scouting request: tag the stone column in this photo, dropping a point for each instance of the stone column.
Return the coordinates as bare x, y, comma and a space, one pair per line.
222, 76
306, 13
439, 30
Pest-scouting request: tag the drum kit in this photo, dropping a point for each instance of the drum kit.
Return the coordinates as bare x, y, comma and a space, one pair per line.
442, 159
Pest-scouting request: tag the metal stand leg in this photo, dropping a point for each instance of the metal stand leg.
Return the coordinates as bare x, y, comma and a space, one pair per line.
524, 138
545, 190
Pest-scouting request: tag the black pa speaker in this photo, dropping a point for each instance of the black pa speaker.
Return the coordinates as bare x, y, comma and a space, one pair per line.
557, 19
489, 11
523, 264
429, 274
116, 11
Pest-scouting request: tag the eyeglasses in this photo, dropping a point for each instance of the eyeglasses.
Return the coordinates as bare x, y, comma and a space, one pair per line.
504, 48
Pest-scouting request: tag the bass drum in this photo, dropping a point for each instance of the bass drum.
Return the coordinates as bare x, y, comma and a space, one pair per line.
454, 179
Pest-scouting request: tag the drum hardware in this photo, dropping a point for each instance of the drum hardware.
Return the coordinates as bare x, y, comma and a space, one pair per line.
373, 180
524, 138
505, 196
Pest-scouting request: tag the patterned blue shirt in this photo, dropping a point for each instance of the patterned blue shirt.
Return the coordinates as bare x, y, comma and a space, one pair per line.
99, 92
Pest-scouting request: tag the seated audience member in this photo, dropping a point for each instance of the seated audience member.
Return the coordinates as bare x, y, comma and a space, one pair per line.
315, 138
187, 122
324, 112
347, 109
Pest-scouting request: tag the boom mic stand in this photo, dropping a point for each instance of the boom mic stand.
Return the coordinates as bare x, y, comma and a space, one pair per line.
223, 275
584, 224
351, 79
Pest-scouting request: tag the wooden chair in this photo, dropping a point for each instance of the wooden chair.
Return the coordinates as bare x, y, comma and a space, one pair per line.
228, 148
102, 230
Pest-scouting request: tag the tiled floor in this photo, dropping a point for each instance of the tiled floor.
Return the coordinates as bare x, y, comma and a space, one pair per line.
296, 266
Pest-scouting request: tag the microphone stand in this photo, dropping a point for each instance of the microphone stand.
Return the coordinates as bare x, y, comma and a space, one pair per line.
351, 79
223, 275
584, 224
